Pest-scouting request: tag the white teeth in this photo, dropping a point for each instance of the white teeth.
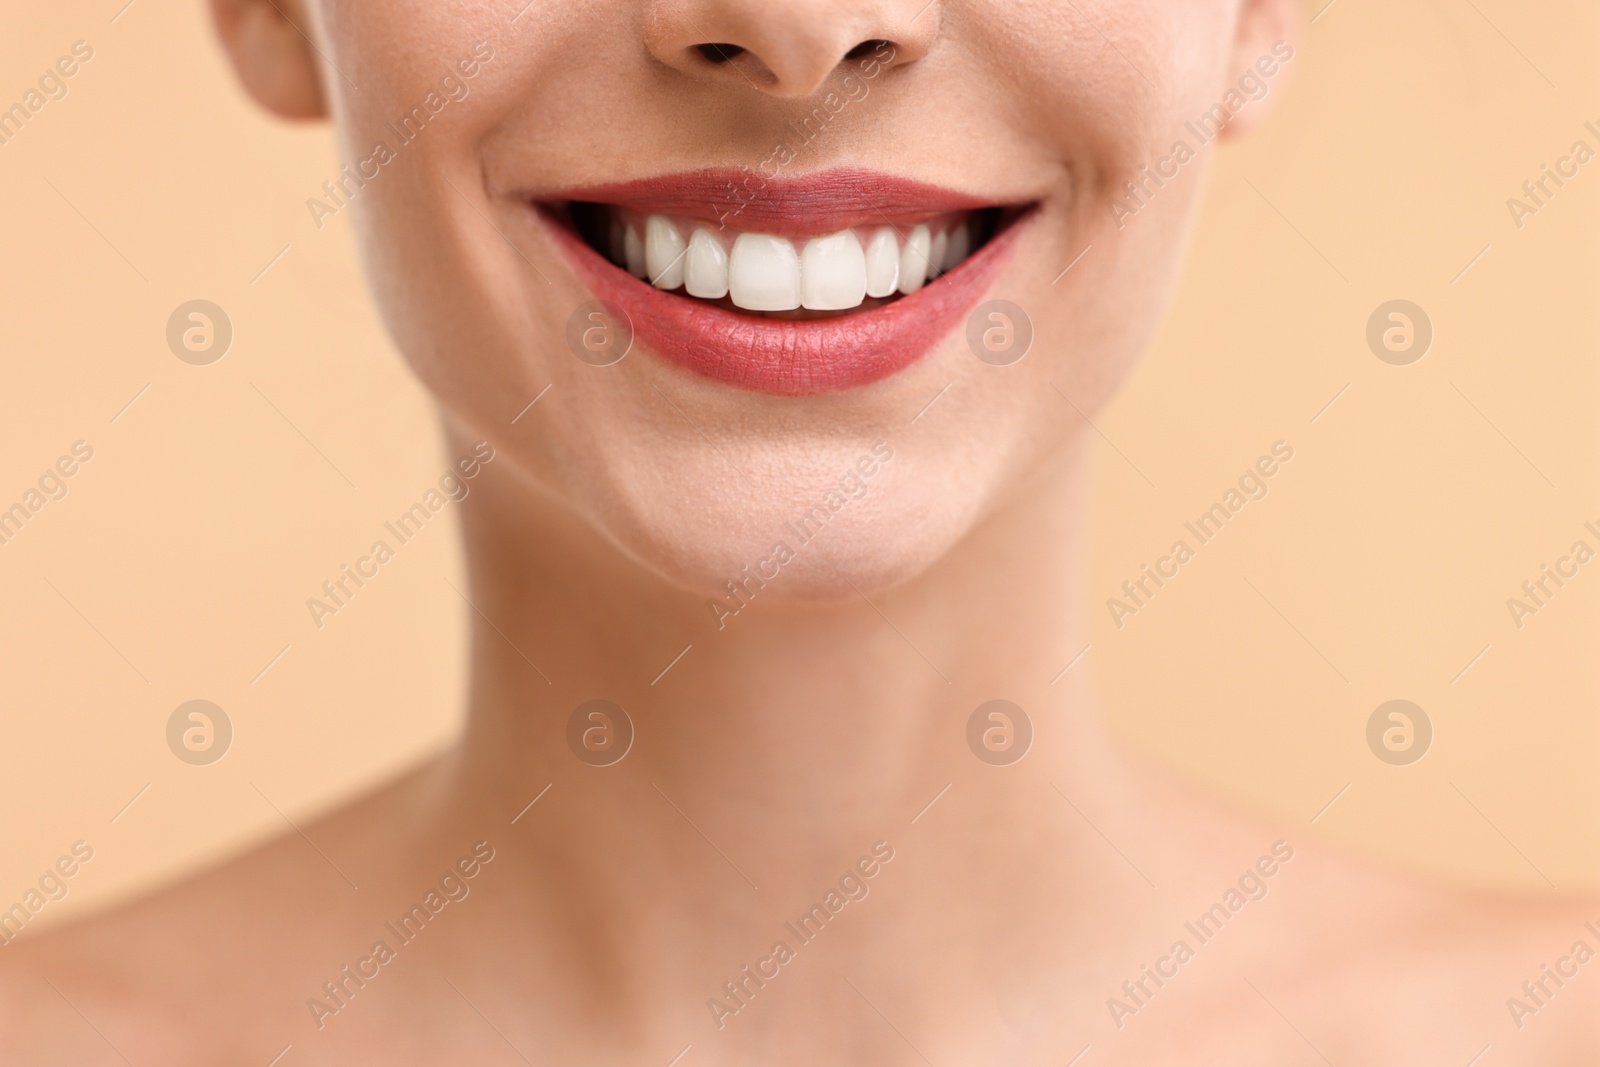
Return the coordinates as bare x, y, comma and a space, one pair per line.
705, 267
914, 260
633, 252
960, 245
833, 272
764, 273
883, 262
663, 252
941, 244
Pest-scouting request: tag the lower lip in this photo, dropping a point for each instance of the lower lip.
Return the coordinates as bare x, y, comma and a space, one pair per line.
791, 357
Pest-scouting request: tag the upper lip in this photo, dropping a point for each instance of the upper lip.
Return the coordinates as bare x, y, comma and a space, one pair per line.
791, 206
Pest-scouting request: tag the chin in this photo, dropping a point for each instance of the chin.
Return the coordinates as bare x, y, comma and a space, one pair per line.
818, 524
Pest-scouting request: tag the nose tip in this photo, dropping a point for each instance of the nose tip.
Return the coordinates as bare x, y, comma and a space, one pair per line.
786, 49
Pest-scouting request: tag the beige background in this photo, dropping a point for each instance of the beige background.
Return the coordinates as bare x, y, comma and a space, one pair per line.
179, 564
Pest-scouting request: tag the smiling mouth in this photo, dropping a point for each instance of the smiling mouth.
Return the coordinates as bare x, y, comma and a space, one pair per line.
793, 286
772, 275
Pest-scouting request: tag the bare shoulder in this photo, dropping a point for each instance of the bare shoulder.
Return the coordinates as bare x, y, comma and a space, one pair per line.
163, 973
1431, 968
1285, 941
214, 968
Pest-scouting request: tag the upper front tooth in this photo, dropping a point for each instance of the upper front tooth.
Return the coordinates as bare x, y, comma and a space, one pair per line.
914, 259
633, 252
883, 262
705, 270
833, 272
663, 252
764, 273
941, 244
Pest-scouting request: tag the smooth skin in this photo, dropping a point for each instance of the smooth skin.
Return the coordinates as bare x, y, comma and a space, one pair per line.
807, 728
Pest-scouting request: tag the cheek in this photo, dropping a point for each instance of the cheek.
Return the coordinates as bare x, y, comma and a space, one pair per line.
459, 276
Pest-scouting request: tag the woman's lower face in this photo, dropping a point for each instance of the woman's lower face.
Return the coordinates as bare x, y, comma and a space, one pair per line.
689, 265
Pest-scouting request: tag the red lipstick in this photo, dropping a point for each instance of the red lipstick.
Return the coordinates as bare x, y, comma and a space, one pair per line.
800, 206
786, 356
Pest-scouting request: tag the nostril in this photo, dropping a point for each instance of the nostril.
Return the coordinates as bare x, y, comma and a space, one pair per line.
718, 53
864, 47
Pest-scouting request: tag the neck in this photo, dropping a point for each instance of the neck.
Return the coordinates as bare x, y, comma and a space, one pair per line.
778, 749
868, 695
